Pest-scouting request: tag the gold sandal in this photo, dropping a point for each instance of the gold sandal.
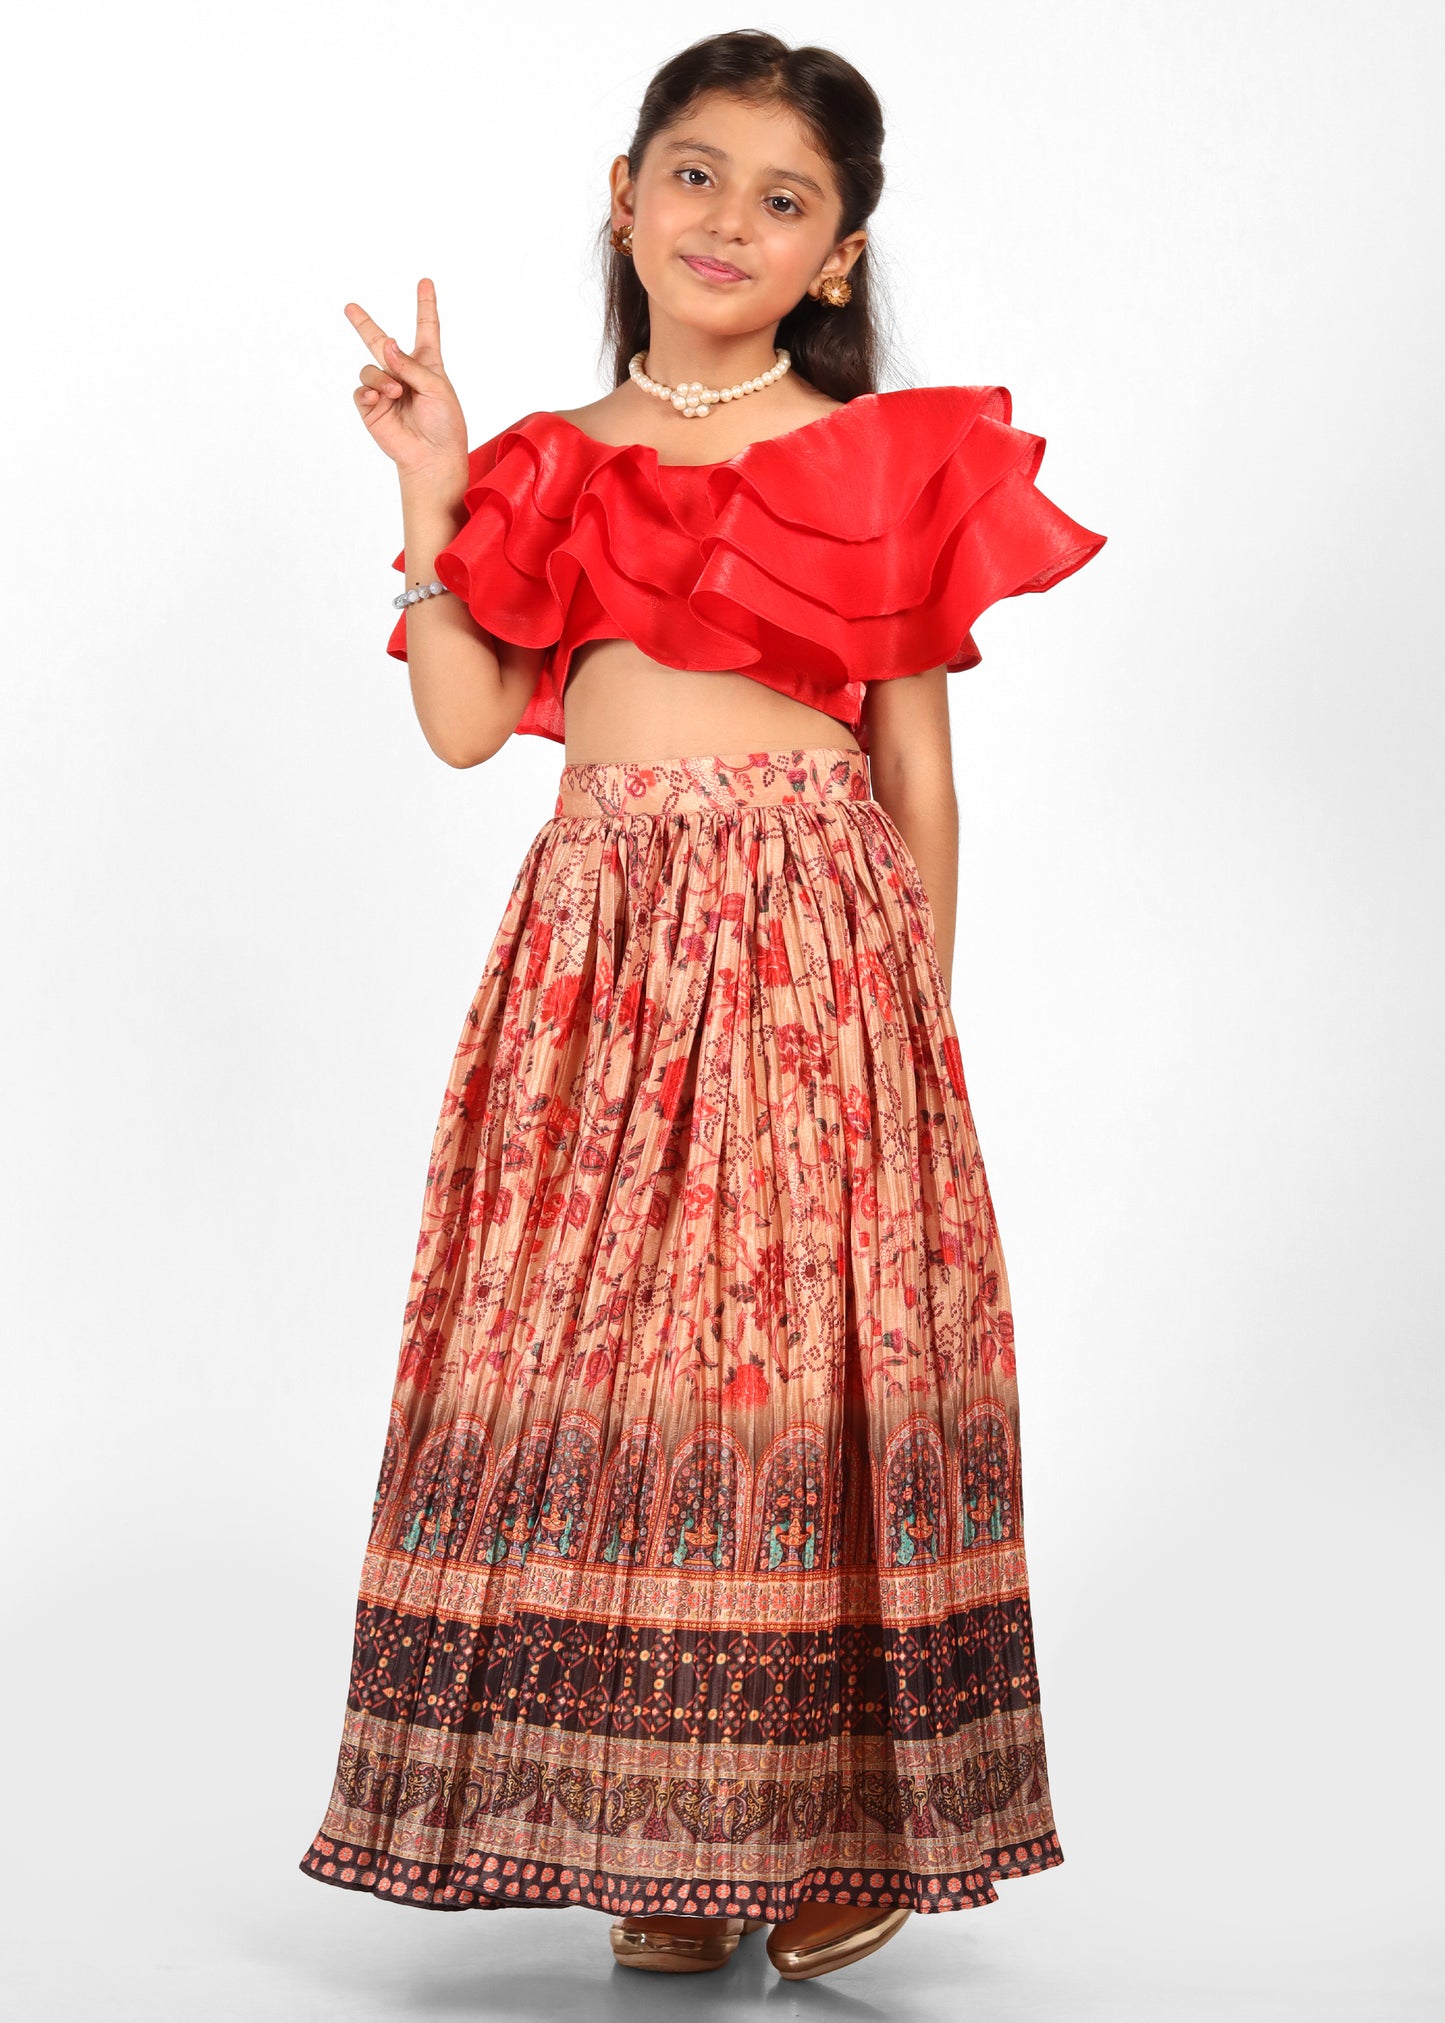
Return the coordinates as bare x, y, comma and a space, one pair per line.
822, 1956
677, 1944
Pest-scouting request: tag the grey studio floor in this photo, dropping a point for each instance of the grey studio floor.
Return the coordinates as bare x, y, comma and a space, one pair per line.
1153, 1940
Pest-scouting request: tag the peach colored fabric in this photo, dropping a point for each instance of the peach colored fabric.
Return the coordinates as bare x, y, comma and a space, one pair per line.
696, 1578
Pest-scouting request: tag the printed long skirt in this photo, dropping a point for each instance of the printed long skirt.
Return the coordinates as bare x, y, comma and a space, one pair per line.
696, 1579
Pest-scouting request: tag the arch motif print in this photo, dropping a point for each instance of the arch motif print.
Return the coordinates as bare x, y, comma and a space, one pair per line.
988, 1503
629, 1494
706, 1493
791, 1503
913, 1495
567, 1498
445, 1482
507, 1523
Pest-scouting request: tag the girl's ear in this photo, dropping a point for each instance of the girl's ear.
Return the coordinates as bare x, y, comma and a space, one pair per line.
620, 183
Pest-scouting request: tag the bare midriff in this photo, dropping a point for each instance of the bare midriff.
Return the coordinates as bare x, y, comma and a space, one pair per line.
621, 705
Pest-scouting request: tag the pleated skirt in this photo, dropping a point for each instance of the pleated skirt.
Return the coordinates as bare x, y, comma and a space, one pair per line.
695, 1579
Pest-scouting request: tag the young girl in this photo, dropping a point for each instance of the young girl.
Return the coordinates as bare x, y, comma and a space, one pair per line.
695, 1589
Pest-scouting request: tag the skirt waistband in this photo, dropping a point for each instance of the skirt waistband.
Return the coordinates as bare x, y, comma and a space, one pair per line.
723, 782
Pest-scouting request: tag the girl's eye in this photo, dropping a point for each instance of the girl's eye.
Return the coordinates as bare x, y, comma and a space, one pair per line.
780, 198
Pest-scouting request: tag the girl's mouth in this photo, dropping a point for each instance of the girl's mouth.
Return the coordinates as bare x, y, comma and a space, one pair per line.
713, 270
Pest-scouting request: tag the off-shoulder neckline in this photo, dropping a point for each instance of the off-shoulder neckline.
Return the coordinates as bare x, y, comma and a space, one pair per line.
723, 463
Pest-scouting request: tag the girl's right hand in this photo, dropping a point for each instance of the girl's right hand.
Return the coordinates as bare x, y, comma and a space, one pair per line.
406, 400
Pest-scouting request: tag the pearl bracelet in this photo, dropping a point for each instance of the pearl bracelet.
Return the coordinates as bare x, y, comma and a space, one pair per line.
432, 589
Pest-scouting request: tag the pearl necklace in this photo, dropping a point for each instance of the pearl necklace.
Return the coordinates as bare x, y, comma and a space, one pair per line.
694, 399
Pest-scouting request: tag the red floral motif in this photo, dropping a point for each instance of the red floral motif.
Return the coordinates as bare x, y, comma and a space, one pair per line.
674, 1081
747, 1388
772, 961
538, 939
952, 1054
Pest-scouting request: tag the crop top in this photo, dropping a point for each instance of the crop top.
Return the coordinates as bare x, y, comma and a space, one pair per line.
859, 546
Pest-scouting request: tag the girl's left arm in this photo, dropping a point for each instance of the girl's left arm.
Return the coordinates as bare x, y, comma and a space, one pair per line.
910, 761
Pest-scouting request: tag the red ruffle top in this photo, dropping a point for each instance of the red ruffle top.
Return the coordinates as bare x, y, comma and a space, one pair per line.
854, 548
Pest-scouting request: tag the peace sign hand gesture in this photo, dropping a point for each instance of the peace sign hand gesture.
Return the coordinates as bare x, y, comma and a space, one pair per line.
406, 400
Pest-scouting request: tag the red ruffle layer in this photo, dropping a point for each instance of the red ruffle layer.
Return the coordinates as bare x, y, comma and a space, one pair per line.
858, 547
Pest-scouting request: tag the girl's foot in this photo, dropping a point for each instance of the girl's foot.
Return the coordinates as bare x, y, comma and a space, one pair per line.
677, 1944
820, 1937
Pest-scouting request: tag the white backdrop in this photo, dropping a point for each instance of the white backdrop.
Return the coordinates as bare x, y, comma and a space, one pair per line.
1197, 973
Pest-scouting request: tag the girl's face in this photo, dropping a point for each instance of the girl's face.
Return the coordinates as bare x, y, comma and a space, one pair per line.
733, 214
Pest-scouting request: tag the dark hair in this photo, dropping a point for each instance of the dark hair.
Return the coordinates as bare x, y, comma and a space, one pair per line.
838, 350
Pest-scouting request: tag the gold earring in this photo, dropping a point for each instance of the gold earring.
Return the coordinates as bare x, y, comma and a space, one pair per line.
622, 239
836, 289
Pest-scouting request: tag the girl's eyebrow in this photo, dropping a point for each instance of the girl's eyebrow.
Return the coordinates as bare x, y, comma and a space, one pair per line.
702, 147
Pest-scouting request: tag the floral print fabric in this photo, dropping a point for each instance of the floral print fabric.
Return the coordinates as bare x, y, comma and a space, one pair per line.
696, 1575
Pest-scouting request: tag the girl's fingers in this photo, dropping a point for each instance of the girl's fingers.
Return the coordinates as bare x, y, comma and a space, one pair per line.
371, 333
387, 352
385, 382
428, 346
403, 366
